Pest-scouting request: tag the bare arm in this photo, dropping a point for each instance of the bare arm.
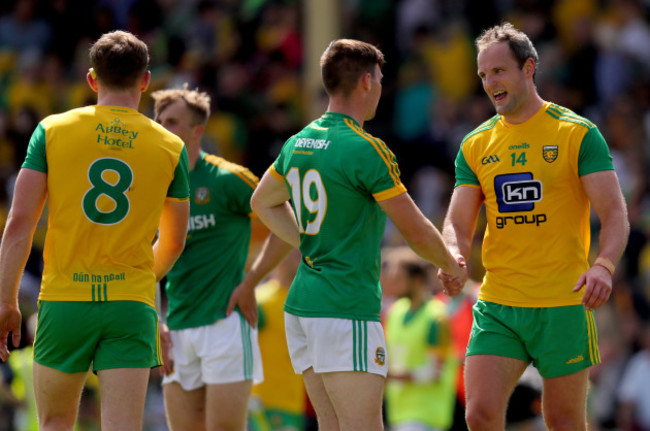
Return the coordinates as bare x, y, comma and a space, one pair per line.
270, 203
172, 232
605, 195
273, 252
458, 229
420, 234
29, 198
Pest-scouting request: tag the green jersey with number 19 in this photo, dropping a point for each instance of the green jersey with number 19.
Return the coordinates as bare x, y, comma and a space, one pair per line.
336, 173
109, 170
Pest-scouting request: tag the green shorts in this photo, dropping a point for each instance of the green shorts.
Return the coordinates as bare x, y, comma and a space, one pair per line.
558, 340
71, 335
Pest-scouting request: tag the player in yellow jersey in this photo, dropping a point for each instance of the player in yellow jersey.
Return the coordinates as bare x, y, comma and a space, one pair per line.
538, 168
112, 178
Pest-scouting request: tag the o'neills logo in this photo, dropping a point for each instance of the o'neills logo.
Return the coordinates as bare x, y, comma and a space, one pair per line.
549, 152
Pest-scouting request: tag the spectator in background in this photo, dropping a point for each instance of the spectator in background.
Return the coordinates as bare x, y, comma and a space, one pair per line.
634, 391
423, 367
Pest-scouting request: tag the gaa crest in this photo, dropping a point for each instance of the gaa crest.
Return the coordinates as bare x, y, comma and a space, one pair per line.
202, 195
549, 152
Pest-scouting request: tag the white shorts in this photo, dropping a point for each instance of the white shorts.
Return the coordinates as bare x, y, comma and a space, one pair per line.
332, 345
224, 352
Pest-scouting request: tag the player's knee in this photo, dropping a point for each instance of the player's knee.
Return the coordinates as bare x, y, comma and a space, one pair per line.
563, 422
55, 423
480, 417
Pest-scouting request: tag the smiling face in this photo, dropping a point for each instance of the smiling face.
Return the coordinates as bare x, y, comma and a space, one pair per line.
508, 85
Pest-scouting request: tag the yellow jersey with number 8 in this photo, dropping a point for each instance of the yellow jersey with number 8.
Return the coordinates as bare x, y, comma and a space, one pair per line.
109, 171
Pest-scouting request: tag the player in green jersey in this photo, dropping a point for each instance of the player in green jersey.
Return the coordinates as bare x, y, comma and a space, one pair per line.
342, 182
112, 177
538, 168
213, 357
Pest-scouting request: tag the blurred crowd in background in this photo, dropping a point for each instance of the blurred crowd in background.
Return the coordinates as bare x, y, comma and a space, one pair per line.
249, 56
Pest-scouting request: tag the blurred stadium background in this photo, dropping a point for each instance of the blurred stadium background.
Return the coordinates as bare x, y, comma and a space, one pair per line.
259, 61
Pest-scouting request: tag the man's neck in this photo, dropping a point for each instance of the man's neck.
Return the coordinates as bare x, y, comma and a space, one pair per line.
347, 107
127, 99
193, 153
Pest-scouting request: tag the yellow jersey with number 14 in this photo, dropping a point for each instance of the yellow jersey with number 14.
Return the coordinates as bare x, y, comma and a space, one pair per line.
109, 171
538, 234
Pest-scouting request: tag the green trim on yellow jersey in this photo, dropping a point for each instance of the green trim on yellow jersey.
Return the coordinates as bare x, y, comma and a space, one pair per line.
538, 232
109, 170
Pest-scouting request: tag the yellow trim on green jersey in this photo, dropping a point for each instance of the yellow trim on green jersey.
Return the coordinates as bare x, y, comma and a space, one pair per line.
390, 193
109, 171
538, 232
381, 148
244, 173
275, 174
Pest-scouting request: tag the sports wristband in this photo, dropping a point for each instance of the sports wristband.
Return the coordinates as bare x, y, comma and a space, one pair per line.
606, 263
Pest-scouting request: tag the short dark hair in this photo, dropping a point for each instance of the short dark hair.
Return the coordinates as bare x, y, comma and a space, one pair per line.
345, 61
198, 102
119, 59
520, 45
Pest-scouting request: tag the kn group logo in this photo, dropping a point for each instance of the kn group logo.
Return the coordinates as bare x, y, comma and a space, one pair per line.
517, 192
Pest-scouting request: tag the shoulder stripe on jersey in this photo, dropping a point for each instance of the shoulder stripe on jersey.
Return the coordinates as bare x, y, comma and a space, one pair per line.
275, 174
564, 114
381, 149
243, 173
487, 125
570, 113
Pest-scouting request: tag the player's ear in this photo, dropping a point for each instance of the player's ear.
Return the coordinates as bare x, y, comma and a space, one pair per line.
146, 79
529, 67
91, 79
366, 81
198, 130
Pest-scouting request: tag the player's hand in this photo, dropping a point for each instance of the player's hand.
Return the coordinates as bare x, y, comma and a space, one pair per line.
597, 282
244, 297
453, 283
10, 319
166, 347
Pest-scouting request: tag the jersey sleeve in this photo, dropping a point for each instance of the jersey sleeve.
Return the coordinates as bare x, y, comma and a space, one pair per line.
376, 170
464, 174
36, 158
594, 154
179, 188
